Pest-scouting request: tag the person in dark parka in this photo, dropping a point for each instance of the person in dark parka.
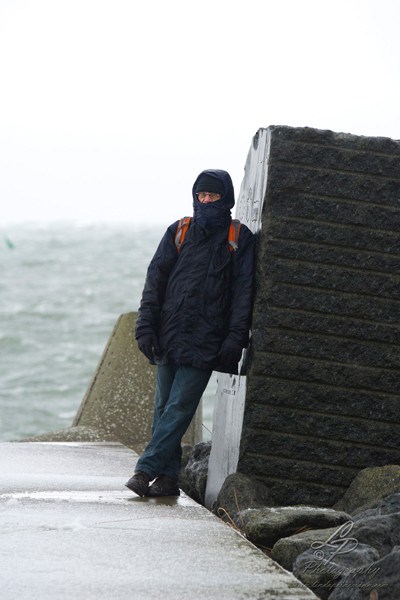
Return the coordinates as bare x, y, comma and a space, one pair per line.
194, 318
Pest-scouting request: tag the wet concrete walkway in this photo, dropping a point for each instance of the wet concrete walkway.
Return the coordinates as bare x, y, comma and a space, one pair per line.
71, 530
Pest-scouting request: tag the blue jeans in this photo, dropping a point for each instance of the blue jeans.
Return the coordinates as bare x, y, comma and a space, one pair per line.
178, 392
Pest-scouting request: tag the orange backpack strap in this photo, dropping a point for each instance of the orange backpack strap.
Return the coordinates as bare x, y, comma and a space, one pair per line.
233, 237
181, 231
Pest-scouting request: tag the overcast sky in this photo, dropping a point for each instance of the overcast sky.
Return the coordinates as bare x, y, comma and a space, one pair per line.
110, 108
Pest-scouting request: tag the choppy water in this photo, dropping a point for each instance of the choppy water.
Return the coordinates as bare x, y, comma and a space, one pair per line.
62, 288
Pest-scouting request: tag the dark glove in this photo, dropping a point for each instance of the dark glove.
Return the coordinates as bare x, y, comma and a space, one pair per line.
230, 353
148, 344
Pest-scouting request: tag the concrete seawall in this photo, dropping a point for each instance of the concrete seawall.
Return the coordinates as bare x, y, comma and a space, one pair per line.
118, 404
120, 398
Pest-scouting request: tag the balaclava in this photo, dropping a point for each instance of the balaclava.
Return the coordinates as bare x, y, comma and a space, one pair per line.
214, 214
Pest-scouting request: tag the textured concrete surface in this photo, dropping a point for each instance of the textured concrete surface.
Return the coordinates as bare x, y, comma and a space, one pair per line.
70, 529
322, 392
119, 401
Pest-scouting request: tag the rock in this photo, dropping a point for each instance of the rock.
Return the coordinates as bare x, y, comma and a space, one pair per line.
240, 492
264, 526
369, 487
194, 477
379, 531
382, 576
287, 549
353, 559
322, 575
364, 514
389, 505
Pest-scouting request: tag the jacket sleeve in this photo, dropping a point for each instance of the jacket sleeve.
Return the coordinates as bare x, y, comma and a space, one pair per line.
156, 282
242, 288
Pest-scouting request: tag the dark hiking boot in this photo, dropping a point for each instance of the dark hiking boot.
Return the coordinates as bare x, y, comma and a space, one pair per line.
163, 486
139, 483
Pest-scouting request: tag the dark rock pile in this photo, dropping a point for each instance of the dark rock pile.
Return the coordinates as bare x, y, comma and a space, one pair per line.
193, 475
354, 559
351, 550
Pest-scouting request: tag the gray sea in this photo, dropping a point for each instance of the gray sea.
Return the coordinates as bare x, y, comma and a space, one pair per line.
62, 288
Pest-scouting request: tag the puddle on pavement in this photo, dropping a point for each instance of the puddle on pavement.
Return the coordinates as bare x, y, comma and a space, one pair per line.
102, 497
181, 500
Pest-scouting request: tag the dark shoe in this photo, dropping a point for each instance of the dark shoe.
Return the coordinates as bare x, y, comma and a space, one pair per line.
139, 483
163, 486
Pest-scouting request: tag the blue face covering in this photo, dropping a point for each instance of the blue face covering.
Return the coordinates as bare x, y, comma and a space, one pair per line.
214, 214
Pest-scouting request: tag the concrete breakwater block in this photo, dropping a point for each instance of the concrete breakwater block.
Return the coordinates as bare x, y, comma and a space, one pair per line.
321, 397
120, 398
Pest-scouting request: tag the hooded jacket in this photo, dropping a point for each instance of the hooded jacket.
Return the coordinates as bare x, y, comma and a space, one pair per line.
195, 299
